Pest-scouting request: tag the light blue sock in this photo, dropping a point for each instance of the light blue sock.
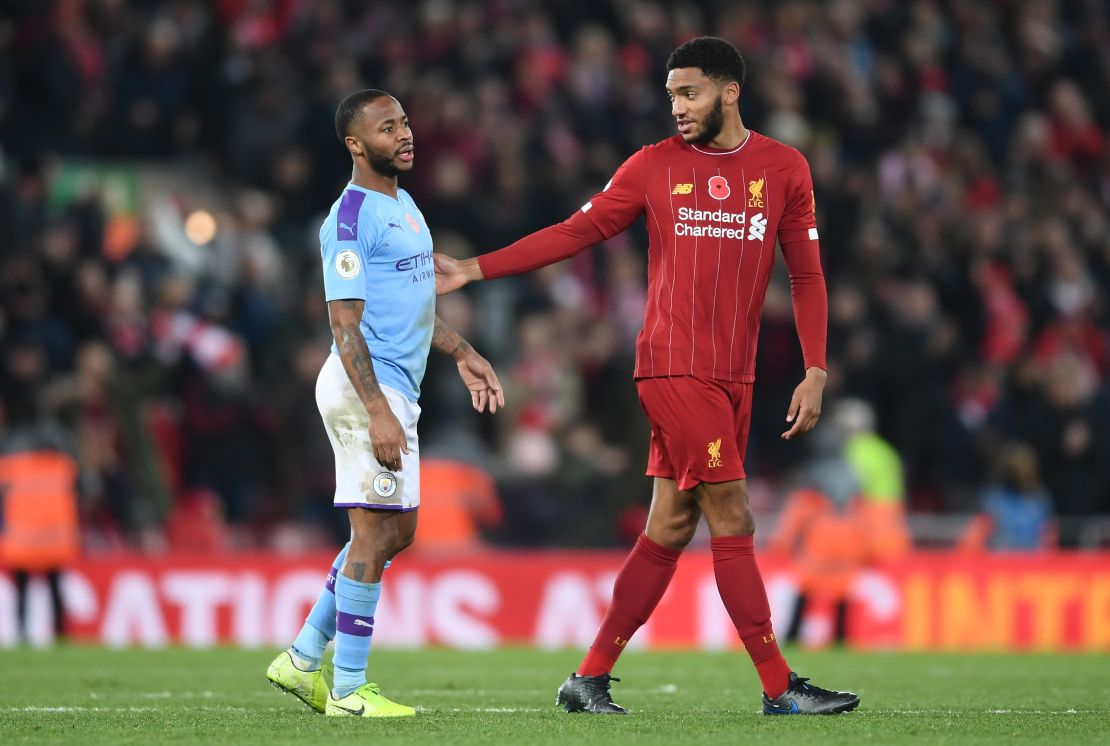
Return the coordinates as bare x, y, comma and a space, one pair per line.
355, 603
319, 628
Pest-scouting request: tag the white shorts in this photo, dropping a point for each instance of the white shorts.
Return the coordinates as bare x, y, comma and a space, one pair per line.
360, 481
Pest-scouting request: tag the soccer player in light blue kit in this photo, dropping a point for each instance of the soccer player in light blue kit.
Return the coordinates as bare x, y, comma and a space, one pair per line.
380, 287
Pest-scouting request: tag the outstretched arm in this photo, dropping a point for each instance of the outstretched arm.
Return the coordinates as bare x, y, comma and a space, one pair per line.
547, 246
608, 213
475, 370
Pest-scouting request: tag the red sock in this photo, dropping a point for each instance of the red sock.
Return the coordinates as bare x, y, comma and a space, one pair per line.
640, 584
745, 599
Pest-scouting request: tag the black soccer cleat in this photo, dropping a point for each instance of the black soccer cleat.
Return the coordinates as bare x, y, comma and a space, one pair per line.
803, 698
588, 694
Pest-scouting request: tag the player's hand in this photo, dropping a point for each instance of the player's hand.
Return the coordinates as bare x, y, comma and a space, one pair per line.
805, 405
387, 437
452, 274
479, 377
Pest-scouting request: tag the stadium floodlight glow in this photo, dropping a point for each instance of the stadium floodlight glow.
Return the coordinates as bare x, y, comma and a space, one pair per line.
200, 227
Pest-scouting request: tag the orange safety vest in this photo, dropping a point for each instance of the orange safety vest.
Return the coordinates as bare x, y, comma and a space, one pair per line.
454, 499
827, 547
38, 493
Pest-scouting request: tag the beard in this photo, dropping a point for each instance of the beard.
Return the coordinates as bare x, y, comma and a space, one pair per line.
711, 127
383, 164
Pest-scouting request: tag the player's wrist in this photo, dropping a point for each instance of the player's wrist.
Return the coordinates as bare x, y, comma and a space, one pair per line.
819, 375
462, 351
376, 404
472, 270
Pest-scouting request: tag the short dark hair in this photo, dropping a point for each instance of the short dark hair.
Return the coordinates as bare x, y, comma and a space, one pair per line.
350, 107
718, 59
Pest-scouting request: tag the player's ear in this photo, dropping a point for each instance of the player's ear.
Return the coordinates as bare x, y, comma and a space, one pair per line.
353, 145
731, 94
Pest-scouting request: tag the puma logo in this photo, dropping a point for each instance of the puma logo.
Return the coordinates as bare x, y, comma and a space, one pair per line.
363, 623
349, 228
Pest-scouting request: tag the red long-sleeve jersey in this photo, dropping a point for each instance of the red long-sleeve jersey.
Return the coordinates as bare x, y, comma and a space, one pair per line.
712, 219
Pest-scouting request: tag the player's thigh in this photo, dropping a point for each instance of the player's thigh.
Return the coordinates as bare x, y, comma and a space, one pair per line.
741, 395
693, 421
360, 480
674, 515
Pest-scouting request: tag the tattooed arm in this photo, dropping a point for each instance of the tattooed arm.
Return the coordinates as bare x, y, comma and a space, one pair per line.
475, 370
387, 438
447, 340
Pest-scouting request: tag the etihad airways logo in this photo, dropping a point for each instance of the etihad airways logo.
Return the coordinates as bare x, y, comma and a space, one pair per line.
688, 215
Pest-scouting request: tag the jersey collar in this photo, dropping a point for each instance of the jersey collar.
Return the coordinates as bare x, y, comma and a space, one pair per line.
713, 151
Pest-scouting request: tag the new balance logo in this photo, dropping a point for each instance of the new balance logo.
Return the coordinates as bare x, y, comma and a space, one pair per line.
363, 623
349, 228
682, 189
757, 228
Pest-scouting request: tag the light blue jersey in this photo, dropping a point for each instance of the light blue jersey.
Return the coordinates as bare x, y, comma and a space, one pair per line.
379, 250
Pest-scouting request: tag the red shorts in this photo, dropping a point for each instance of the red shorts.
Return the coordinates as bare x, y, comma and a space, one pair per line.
699, 428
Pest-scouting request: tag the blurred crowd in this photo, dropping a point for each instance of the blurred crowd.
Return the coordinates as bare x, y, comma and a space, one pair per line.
962, 178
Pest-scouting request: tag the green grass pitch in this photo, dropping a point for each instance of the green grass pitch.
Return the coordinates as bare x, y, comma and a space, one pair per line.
92, 696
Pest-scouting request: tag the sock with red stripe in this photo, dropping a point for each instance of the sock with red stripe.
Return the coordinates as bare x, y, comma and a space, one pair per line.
645, 575
745, 598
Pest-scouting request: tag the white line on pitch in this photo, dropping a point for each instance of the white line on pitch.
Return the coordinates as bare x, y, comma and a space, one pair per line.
81, 708
484, 709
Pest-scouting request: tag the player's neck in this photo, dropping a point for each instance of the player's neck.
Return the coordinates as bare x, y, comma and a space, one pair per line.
730, 137
368, 178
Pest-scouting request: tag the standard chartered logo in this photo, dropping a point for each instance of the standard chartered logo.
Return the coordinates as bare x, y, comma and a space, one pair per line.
683, 228
757, 228
688, 219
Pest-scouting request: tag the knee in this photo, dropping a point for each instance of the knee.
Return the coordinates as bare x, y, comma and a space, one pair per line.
674, 534
374, 544
738, 521
403, 540
727, 512
745, 524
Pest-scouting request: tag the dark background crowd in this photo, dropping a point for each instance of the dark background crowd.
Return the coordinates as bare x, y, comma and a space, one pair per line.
164, 167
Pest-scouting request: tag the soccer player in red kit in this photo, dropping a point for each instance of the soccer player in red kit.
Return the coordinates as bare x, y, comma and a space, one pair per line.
715, 197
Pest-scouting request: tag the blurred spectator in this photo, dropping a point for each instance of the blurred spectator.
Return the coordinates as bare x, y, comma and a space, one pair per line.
460, 501
846, 514
38, 512
196, 526
1017, 512
962, 184
878, 469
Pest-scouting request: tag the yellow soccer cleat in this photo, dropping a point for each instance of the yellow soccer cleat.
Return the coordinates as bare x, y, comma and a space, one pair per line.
367, 702
307, 686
